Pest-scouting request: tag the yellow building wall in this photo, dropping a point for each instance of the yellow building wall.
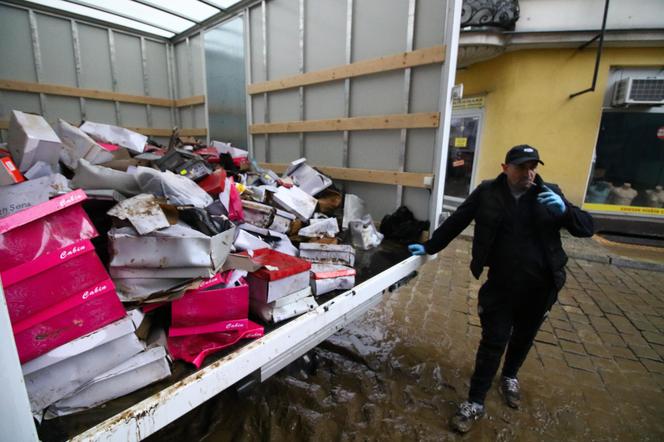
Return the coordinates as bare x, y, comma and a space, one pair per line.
527, 102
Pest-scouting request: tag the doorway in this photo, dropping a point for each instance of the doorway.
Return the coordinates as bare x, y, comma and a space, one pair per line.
465, 130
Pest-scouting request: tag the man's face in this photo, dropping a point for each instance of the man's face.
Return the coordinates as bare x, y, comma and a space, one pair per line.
520, 176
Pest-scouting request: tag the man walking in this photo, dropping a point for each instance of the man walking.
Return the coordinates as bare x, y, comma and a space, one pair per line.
518, 219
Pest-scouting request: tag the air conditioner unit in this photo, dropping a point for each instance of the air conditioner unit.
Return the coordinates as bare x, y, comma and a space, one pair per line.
632, 90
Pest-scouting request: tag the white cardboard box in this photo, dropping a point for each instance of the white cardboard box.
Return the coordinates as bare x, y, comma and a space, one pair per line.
31, 139
268, 291
64, 369
141, 370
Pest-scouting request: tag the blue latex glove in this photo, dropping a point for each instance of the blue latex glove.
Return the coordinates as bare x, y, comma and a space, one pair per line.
416, 249
552, 201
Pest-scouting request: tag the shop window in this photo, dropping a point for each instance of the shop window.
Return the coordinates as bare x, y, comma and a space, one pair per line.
628, 171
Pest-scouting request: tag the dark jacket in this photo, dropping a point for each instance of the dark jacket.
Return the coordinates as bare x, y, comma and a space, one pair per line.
486, 206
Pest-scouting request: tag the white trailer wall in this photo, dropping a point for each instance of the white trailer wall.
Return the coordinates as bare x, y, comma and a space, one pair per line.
47, 48
289, 37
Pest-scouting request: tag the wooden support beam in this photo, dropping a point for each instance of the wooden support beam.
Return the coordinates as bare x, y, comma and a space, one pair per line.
159, 132
396, 121
190, 101
68, 91
387, 63
408, 179
149, 131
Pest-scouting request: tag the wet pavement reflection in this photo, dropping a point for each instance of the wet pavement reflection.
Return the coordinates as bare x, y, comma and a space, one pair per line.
398, 372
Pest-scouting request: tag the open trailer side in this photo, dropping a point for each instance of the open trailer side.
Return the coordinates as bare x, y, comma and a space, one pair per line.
362, 90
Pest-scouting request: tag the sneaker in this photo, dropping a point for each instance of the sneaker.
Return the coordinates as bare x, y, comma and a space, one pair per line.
509, 388
466, 415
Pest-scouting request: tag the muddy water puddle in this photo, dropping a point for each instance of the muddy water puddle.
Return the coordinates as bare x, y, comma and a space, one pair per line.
398, 373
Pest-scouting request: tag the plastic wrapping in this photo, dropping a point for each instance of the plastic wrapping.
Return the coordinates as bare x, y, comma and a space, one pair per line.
364, 234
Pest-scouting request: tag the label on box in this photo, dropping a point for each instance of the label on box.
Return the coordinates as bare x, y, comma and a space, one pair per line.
11, 170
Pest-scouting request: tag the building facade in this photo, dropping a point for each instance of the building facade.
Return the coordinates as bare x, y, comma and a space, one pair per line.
522, 66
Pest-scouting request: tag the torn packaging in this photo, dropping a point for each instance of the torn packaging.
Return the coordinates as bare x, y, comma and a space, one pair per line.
107, 133
286, 307
31, 139
143, 212
195, 348
20, 196
328, 253
77, 144
260, 215
272, 239
319, 228
296, 201
141, 370
307, 178
89, 176
329, 277
63, 370
176, 189
9, 173
175, 246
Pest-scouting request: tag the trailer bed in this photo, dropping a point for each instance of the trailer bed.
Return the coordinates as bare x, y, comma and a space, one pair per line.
135, 416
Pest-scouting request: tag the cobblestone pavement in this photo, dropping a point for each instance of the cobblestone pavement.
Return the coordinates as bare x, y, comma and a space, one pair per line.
596, 370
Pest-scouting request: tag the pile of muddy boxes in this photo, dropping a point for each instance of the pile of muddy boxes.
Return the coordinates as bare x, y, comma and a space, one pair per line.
118, 254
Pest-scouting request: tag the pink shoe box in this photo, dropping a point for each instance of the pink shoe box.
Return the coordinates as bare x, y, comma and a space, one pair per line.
232, 325
44, 228
65, 321
195, 348
209, 308
51, 278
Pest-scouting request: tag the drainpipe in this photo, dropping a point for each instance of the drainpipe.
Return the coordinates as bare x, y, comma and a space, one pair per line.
599, 51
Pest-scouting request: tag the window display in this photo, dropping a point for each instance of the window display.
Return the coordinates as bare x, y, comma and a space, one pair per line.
628, 172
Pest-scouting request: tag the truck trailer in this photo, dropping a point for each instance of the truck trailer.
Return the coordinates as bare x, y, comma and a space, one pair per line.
360, 88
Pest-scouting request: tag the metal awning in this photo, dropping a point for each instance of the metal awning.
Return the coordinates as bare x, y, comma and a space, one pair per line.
163, 18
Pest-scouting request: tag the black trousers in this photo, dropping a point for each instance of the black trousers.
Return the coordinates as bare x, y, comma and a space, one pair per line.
509, 318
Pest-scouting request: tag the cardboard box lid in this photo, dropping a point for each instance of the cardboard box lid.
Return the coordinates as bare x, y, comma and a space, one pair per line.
276, 265
36, 212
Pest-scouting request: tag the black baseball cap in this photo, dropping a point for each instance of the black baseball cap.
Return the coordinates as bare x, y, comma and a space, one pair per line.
521, 154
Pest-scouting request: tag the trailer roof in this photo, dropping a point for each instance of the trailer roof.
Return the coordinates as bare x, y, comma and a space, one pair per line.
164, 18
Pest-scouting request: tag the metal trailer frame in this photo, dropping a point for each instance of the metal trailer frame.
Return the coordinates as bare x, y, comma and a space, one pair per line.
266, 355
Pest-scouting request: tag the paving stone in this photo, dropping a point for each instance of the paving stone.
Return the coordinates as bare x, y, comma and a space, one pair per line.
567, 336
572, 347
645, 353
655, 338
561, 324
589, 336
622, 352
579, 362
632, 340
622, 324
549, 351
597, 350
572, 309
576, 317
604, 363
644, 325
653, 366
628, 365
591, 310
611, 339
546, 337
659, 349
